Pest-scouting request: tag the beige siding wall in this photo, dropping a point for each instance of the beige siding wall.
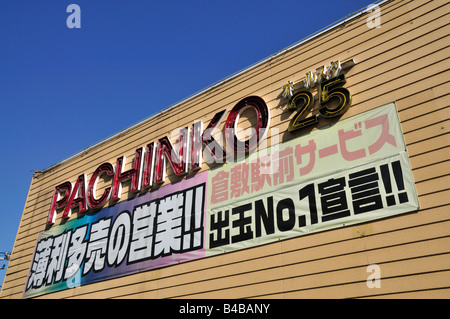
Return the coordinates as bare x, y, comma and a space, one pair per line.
407, 61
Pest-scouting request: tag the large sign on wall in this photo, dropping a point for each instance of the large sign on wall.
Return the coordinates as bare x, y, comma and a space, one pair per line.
354, 171
151, 231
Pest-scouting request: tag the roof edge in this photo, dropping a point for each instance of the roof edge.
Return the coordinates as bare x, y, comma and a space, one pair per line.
223, 80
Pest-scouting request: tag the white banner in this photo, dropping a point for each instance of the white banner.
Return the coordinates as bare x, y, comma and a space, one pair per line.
354, 171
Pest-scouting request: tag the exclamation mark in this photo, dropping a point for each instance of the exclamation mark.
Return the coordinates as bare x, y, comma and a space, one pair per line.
396, 167
390, 199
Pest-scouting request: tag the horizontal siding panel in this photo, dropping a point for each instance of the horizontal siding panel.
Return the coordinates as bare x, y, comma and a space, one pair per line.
424, 147
432, 171
424, 101
436, 199
424, 133
434, 280
440, 115
359, 274
431, 157
432, 293
433, 185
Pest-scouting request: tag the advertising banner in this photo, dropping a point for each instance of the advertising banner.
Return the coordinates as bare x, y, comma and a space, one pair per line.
354, 171
156, 229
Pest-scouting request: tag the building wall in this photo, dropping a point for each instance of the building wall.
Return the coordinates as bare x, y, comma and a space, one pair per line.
406, 60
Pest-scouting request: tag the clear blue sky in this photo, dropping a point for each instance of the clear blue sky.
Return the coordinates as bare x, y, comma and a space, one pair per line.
63, 89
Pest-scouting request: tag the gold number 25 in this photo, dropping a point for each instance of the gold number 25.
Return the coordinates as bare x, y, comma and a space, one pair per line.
329, 90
